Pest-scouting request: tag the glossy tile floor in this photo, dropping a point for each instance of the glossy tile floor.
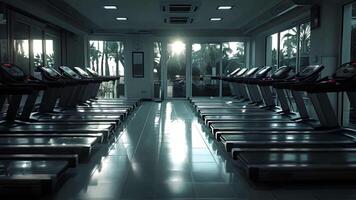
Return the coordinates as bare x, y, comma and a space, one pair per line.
164, 152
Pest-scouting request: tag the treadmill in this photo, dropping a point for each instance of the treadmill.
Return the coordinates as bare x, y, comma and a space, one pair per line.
100, 101
12, 74
203, 100
282, 161
261, 73
308, 74
80, 89
89, 102
280, 74
46, 112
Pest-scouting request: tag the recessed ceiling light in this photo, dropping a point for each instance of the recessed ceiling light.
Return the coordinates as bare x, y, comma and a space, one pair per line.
121, 18
224, 7
110, 7
216, 19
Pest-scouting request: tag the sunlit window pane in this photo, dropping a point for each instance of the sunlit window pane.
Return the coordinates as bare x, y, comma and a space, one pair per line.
304, 45
205, 62
21, 45
288, 48
233, 57
107, 59
272, 51
157, 63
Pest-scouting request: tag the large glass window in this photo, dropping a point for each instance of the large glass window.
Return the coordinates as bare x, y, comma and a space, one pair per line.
157, 66
304, 45
349, 55
288, 42
37, 47
272, 51
53, 48
290, 47
233, 57
107, 58
21, 43
205, 63
176, 69
3, 36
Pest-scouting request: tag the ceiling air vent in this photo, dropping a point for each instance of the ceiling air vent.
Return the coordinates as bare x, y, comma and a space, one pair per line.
179, 20
179, 8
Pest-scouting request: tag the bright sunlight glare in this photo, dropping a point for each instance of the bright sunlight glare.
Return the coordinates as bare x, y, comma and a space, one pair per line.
178, 47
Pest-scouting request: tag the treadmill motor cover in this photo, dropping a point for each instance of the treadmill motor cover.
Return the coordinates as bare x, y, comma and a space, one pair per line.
12, 73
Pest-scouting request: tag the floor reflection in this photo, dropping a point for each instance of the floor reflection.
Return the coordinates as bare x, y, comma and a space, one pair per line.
164, 152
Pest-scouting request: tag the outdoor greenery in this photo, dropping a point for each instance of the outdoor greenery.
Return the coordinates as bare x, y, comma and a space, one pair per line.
107, 58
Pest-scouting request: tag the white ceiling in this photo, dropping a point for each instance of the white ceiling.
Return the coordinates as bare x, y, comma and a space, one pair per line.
147, 15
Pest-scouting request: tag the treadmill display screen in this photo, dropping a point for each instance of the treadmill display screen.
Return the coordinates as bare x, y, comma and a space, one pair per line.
92, 72
251, 71
282, 72
51, 72
82, 72
263, 72
241, 72
13, 71
70, 72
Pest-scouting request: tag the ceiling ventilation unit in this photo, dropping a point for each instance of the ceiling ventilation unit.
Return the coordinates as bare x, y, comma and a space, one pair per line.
179, 7
178, 20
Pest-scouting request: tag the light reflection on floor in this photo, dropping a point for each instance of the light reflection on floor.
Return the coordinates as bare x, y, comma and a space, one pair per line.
163, 153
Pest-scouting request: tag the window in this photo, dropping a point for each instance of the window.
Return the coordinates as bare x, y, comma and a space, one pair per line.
3, 36
233, 57
304, 45
290, 47
205, 62
176, 69
157, 66
22, 45
349, 55
53, 48
107, 58
272, 51
37, 47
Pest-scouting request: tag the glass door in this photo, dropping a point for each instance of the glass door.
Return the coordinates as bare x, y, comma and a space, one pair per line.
176, 70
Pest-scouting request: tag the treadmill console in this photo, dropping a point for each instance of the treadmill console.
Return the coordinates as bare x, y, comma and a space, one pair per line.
310, 73
263, 72
241, 72
69, 72
81, 72
50, 73
12, 73
92, 72
346, 72
251, 72
281, 73
234, 72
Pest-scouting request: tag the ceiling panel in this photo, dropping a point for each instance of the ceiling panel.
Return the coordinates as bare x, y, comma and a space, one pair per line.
147, 15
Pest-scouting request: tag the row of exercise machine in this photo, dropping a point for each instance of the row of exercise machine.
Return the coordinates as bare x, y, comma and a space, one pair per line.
269, 141
53, 121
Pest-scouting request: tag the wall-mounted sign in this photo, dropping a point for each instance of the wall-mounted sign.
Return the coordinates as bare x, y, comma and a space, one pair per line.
138, 69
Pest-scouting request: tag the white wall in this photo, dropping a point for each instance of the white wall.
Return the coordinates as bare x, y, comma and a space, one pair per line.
139, 87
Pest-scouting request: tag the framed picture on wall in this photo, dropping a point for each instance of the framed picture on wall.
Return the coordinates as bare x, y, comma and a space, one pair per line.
138, 70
